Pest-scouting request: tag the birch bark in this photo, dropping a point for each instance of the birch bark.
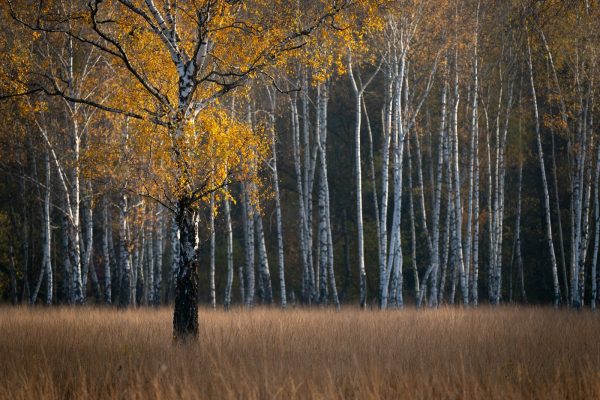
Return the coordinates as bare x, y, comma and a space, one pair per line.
358, 93
544, 180
247, 215
301, 204
105, 252
211, 218
278, 217
229, 232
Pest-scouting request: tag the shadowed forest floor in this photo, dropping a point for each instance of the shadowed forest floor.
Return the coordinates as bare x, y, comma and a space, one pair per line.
504, 353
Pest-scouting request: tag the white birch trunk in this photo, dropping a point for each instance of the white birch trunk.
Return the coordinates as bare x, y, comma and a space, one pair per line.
309, 171
67, 276
326, 270
322, 232
75, 227
229, 232
86, 239
211, 219
175, 251
499, 198
446, 251
544, 182
247, 215
263, 260
387, 118
411, 208
105, 252
395, 256
474, 286
594, 273
458, 208
125, 290
559, 221
362, 273
140, 268
150, 260
301, 203
435, 255
278, 217
158, 252
46, 267
358, 93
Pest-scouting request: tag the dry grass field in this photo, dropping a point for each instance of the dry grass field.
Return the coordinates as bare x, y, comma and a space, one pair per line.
505, 353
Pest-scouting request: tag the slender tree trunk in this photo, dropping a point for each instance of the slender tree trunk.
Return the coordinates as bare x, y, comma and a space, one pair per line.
105, 252
433, 262
125, 292
373, 177
383, 238
586, 178
211, 218
86, 239
323, 223
499, 200
310, 155
435, 255
229, 231
472, 195
358, 171
46, 267
474, 288
264, 273
395, 256
139, 288
247, 214
278, 217
458, 208
75, 229
89, 253
396, 266
581, 178
151, 261
413, 233
301, 204
95, 282
490, 212
559, 220
13, 275
158, 252
518, 257
446, 251
25, 238
67, 280
594, 273
544, 183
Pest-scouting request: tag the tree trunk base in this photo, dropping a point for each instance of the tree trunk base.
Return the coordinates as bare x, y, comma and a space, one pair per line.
185, 317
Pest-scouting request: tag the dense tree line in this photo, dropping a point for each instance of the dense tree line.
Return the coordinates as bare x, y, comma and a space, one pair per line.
372, 152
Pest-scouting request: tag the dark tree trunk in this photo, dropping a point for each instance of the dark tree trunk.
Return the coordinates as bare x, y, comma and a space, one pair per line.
13, 276
185, 317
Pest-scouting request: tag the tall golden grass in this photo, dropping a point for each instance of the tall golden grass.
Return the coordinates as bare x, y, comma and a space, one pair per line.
503, 353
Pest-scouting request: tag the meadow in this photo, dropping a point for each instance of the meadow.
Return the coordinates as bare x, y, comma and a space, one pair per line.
501, 353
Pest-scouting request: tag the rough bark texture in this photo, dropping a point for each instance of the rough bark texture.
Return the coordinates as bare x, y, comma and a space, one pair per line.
185, 316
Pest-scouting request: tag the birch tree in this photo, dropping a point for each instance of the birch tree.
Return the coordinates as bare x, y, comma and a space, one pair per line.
203, 67
549, 240
273, 165
359, 88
